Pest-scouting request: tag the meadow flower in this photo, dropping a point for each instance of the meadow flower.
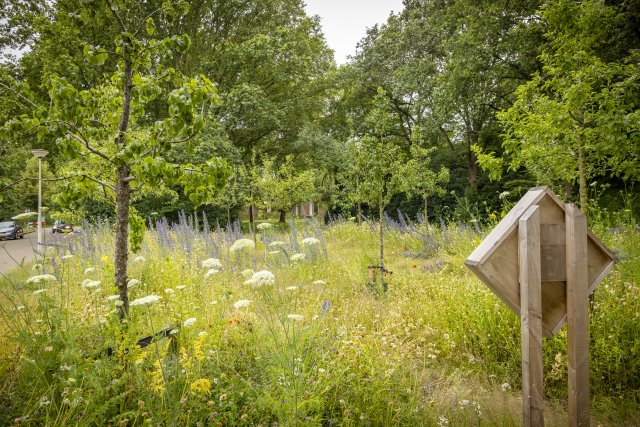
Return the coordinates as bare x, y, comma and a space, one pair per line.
189, 322
36, 267
241, 244
295, 317
139, 258
503, 195
261, 278
89, 270
202, 385
113, 298
211, 263
318, 282
41, 278
132, 283
90, 284
505, 387
291, 288
241, 303
148, 300
310, 241
247, 274
297, 257
211, 272
263, 226
39, 291
276, 244
169, 291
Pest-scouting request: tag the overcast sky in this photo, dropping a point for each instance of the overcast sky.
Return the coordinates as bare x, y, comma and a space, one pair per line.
345, 22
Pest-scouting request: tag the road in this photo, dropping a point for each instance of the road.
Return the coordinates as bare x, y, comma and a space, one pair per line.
13, 252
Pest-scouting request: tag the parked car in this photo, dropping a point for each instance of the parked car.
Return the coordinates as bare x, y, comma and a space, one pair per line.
62, 227
10, 230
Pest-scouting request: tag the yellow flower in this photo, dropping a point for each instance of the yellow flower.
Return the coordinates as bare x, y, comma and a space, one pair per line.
105, 258
202, 385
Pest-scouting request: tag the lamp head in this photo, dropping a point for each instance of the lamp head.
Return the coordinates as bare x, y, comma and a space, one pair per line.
39, 153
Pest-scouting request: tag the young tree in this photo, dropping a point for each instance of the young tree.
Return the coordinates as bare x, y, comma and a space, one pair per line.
110, 139
382, 164
284, 187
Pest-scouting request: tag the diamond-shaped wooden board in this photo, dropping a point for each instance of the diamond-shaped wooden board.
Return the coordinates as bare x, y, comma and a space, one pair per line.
495, 260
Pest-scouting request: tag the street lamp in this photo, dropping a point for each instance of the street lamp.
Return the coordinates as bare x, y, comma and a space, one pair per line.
39, 153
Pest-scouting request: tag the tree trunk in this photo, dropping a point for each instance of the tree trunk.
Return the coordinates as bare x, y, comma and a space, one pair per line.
582, 179
359, 213
283, 216
381, 262
426, 220
473, 162
228, 217
123, 195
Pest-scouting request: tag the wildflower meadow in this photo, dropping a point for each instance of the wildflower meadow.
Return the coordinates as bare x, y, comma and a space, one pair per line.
286, 327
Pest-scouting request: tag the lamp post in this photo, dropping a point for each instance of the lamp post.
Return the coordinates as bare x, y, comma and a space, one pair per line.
39, 153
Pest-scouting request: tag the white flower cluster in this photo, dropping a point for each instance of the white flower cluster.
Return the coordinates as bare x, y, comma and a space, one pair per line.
261, 278
295, 317
263, 226
242, 303
91, 284
310, 241
297, 257
247, 274
41, 278
242, 244
132, 283
318, 282
276, 244
189, 322
148, 300
89, 270
211, 272
212, 263
139, 259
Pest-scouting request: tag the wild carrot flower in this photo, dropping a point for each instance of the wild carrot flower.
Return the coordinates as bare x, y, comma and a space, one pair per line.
189, 322
91, 284
247, 274
113, 298
263, 226
291, 288
89, 270
139, 258
242, 303
242, 244
132, 283
318, 282
211, 263
261, 278
211, 272
148, 300
295, 317
310, 241
41, 278
202, 385
276, 244
297, 257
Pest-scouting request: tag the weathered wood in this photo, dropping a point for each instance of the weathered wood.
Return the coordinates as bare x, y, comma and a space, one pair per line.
531, 316
577, 316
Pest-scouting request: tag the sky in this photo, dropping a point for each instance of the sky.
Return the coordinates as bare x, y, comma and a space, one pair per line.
345, 22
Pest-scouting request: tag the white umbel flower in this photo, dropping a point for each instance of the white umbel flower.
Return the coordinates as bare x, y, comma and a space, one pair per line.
212, 263
189, 322
89, 270
276, 244
295, 317
91, 284
242, 303
139, 259
247, 274
113, 298
261, 278
310, 241
41, 278
133, 283
148, 300
318, 282
297, 257
263, 226
211, 272
242, 244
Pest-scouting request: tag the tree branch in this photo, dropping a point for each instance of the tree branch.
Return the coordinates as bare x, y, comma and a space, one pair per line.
99, 181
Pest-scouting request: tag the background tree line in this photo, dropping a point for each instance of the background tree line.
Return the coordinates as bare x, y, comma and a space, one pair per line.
479, 99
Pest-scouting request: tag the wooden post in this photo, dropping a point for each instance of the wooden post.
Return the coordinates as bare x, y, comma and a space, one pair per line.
577, 316
531, 317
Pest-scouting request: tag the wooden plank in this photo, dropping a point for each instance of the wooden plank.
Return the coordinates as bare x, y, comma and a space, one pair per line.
531, 316
577, 316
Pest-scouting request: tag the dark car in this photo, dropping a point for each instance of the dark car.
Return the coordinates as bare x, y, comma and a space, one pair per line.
10, 230
62, 227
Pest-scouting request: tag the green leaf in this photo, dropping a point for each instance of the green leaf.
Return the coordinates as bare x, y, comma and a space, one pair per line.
151, 26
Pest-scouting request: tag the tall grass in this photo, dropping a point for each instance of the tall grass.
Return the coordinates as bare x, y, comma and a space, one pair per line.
314, 347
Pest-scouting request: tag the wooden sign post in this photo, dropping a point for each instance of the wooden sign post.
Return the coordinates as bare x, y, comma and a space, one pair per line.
543, 262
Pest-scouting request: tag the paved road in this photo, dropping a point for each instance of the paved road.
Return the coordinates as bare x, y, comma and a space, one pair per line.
13, 252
